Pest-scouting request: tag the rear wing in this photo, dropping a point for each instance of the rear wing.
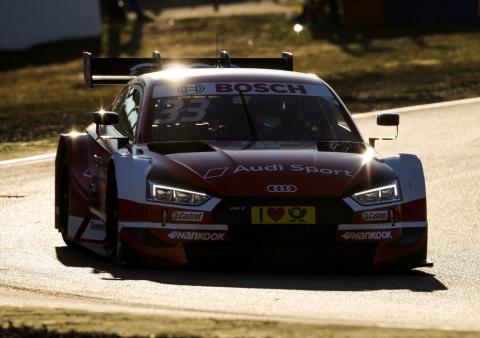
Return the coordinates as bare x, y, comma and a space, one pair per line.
106, 71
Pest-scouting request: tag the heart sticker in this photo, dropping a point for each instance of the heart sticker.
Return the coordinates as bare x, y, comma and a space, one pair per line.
276, 213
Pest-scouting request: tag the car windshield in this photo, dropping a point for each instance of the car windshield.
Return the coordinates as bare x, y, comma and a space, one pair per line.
244, 115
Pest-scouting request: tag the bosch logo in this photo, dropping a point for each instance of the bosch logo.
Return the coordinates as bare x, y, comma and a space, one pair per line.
282, 188
192, 89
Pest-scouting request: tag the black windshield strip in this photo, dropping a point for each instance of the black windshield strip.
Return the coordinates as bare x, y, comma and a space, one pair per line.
249, 117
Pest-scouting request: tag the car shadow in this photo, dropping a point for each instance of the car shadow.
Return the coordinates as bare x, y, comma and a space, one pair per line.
258, 278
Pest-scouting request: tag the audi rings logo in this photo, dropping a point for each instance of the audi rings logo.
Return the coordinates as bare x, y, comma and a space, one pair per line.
282, 188
192, 89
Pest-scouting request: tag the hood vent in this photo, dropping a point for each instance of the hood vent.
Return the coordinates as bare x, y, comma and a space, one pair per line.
166, 148
342, 147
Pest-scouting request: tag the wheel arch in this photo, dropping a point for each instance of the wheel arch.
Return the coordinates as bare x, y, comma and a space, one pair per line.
71, 172
61, 161
126, 180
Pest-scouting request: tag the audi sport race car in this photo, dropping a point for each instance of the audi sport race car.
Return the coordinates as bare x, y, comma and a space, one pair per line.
234, 160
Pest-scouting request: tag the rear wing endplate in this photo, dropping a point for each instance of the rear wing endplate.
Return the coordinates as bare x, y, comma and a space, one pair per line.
107, 71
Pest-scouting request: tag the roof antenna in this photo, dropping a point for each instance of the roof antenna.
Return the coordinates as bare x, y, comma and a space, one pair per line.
288, 57
224, 60
157, 59
216, 43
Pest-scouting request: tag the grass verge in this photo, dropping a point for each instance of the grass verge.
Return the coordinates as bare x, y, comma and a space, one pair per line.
45, 322
9, 150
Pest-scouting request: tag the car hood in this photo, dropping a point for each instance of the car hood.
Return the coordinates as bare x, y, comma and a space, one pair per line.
259, 168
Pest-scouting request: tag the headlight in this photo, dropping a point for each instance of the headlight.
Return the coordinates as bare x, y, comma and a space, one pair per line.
384, 194
164, 193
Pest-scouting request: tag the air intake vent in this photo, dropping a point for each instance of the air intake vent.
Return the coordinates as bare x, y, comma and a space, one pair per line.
166, 148
342, 147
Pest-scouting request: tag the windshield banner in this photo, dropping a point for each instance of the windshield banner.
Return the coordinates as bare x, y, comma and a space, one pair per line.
247, 88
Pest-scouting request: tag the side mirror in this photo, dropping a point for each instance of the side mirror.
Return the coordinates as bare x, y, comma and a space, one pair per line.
104, 118
386, 119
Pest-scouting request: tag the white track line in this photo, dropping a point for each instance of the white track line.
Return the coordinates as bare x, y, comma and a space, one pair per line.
48, 156
420, 107
22, 160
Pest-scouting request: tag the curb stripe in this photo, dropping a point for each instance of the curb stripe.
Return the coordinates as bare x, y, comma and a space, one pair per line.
419, 107
22, 160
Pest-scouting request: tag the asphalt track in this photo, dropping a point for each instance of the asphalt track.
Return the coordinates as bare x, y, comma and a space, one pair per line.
36, 269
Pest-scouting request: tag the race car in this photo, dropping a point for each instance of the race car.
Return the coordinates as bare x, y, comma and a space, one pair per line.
223, 161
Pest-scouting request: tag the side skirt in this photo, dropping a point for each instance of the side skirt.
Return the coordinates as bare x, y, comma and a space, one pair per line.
89, 232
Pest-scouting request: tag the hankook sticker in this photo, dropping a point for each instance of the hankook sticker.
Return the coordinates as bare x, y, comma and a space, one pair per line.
197, 235
366, 235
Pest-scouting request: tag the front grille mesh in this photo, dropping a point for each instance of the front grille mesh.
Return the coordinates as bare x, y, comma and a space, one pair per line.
281, 244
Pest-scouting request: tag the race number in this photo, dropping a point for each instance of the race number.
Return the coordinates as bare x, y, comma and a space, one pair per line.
183, 110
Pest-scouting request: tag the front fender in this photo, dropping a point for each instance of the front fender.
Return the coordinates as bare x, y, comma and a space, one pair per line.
131, 173
409, 171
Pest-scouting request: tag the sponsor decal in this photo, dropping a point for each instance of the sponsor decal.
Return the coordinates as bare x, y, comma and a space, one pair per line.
282, 188
97, 225
283, 215
215, 172
381, 215
315, 170
197, 235
276, 167
237, 208
259, 87
366, 235
257, 168
192, 89
187, 216
88, 173
248, 88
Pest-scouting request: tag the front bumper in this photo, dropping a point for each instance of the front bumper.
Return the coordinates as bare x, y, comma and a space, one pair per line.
251, 247
226, 236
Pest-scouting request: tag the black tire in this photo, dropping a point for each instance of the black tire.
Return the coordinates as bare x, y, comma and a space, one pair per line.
112, 242
65, 201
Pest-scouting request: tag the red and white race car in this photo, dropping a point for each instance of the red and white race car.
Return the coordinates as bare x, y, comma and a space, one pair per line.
234, 160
